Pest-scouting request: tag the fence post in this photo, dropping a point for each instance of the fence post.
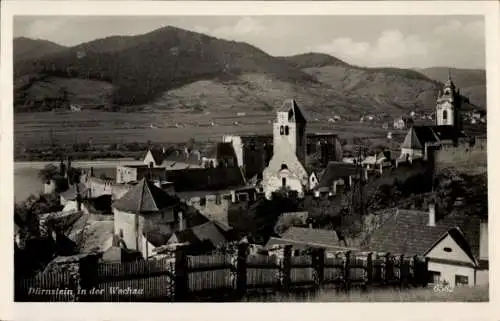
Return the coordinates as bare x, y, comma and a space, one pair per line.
319, 265
387, 268
241, 270
287, 267
347, 270
369, 269
425, 272
181, 275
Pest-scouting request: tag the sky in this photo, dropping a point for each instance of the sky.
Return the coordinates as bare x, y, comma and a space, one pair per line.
372, 41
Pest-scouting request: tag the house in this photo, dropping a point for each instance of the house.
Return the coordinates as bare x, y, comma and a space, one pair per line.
145, 216
337, 174
286, 167
399, 123
455, 245
378, 161
302, 238
172, 158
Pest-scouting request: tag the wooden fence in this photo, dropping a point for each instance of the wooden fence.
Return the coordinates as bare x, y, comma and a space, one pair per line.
230, 277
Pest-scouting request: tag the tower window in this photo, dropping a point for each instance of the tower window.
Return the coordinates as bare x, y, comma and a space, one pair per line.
445, 115
283, 182
282, 130
283, 166
287, 131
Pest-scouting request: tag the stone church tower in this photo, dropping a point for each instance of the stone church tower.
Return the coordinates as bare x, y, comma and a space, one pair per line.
448, 105
289, 129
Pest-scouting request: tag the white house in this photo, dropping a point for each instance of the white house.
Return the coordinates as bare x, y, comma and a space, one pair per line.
456, 246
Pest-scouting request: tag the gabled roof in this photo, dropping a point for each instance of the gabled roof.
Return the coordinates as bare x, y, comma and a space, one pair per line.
206, 179
158, 155
407, 232
459, 238
335, 171
145, 197
295, 112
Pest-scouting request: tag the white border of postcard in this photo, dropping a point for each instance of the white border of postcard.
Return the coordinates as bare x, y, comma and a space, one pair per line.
232, 311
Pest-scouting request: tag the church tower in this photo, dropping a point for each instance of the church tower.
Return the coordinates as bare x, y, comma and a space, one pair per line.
289, 129
448, 105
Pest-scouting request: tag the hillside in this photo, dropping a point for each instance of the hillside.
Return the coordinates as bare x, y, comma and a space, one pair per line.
472, 82
174, 68
25, 48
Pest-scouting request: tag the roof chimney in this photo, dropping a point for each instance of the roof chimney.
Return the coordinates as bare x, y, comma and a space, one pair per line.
432, 214
483, 241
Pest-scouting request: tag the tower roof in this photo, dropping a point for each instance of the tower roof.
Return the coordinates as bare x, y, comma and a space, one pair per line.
411, 140
295, 112
145, 197
449, 83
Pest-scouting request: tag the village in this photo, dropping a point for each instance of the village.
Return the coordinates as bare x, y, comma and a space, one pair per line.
244, 216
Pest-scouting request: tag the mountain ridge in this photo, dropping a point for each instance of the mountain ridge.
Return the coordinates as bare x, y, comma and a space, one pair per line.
149, 69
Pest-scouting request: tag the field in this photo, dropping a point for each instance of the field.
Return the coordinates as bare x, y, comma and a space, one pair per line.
464, 294
100, 128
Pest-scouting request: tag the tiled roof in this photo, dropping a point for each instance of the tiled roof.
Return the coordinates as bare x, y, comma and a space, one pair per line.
310, 235
145, 197
206, 179
407, 232
336, 170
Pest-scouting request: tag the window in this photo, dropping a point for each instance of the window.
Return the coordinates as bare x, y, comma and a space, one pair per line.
434, 277
287, 131
283, 166
218, 199
283, 182
203, 201
282, 130
461, 280
151, 164
121, 233
445, 115
447, 249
